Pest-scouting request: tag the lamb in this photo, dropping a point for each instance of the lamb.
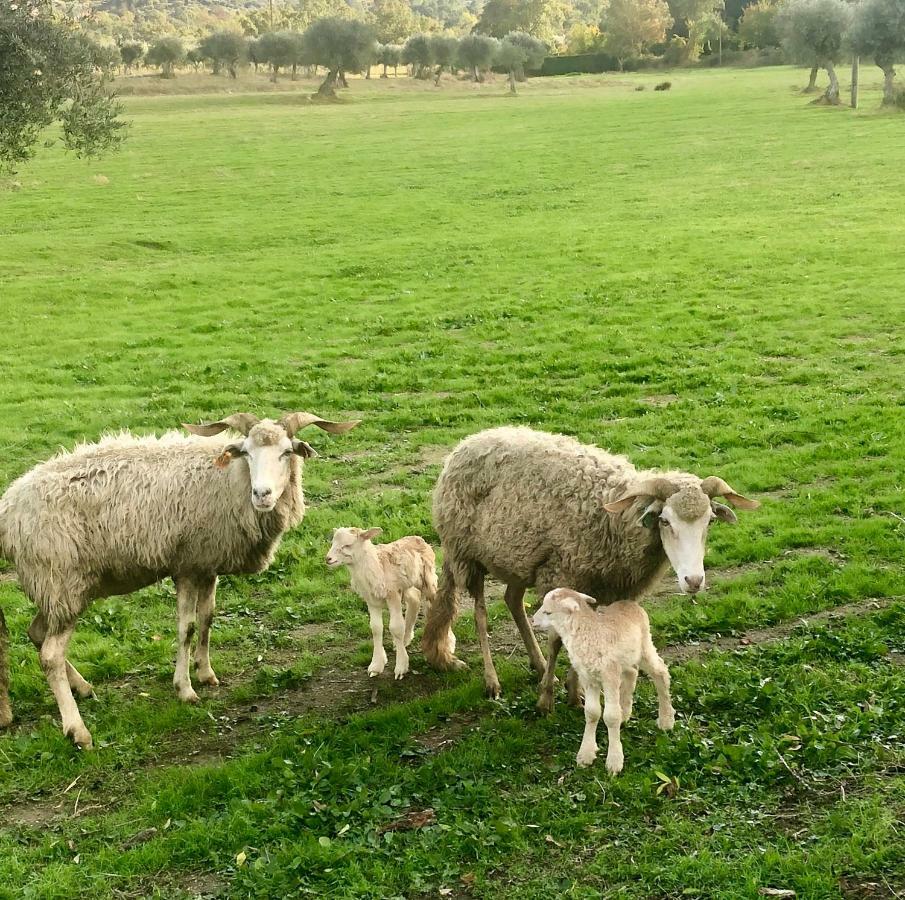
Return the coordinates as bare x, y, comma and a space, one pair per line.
606, 648
543, 510
117, 515
383, 576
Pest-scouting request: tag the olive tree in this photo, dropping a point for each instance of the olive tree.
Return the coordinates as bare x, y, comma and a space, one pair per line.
535, 51
340, 46
166, 53
878, 32
389, 55
281, 50
631, 25
445, 50
224, 49
48, 75
477, 53
132, 53
814, 33
418, 52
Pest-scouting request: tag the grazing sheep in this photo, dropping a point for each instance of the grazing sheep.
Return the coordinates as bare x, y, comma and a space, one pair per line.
383, 576
606, 648
542, 510
120, 514
663, 86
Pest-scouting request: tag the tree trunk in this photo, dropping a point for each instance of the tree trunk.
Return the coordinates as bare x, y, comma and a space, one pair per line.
368, 73
856, 71
889, 92
512, 89
273, 73
439, 73
832, 92
812, 81
474, 70
342, 79
328, 88
294, 76
384, 71
395, 71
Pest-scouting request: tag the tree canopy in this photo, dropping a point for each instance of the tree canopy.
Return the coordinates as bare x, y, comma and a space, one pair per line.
878, 32
49, 74
340, 46
631, 25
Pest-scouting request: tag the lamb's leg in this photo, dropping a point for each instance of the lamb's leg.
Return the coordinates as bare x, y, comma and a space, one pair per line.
397, 630
37, 631
6, 711
587, 752
654, 666
491, 679
545, 693
612, 717
206, 604
53, 661
186, 601
412, 605
514, 600
379, 656
627, 692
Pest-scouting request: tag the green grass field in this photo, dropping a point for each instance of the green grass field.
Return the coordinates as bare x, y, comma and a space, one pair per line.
709, 278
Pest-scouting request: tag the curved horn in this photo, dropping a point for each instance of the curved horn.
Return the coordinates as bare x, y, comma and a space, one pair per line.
658, 488
241, 422
292, 422
713, 486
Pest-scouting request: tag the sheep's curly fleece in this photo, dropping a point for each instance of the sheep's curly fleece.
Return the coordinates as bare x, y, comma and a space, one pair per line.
527, 507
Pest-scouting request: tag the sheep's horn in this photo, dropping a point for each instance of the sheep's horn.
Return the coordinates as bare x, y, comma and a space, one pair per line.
716, 487
241, 422
658, 488
292, 422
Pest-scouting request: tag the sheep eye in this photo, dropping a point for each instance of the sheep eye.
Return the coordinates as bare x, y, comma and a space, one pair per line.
664, 522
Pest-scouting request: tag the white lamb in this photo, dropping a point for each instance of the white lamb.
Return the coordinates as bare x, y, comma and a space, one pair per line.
606, 648
384, 575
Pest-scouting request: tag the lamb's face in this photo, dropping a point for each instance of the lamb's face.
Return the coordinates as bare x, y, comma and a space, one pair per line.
342, 550
558, 605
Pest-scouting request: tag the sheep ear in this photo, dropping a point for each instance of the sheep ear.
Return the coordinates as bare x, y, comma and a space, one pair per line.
723, 513
370, 533
230, 452
304, 449
569, 605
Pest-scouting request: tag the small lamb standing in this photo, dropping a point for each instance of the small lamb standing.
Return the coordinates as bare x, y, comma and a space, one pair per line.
606, 648
383, 575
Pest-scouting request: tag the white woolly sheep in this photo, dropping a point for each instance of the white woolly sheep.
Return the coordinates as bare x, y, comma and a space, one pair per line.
606, 647
383, 576
117, 515
543, 510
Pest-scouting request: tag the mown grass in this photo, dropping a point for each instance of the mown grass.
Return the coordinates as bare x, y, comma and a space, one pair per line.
682, 277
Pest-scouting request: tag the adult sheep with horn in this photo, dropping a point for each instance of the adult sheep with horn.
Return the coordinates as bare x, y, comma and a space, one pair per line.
120, 514
541, 510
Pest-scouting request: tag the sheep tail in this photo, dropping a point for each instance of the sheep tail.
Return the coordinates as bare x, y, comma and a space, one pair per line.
436, 642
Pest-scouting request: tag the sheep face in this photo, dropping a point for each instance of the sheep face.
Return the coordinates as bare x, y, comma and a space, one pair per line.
268, 452
347, 542
559, 605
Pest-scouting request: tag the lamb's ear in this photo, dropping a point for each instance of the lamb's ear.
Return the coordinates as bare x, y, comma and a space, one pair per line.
723, 513
230, 452
370, 533
304, 449
569, 604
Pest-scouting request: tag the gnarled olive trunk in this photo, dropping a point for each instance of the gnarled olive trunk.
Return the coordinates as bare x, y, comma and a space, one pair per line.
232, 70
328, 88
439, 73
274, 70
832, 92
889, 75
512, 89
812, 81
384, 71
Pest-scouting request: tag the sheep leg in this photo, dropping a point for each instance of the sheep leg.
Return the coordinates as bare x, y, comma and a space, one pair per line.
437, 641
612, 718
186, 602
587, 752
654, 666
514, 600
53, 662
627, 692
491, 680
379, 656
545, 693
6, 711
397, 630
206, 604
37, 631
573, 688
412, 605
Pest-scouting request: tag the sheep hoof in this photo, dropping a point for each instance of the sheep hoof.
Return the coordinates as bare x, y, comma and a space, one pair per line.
85, 691
494, 691
586, 758
614, 764
188, 696
208, 678
80, 736
545, 703
399, 675
6, 718
666, 723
